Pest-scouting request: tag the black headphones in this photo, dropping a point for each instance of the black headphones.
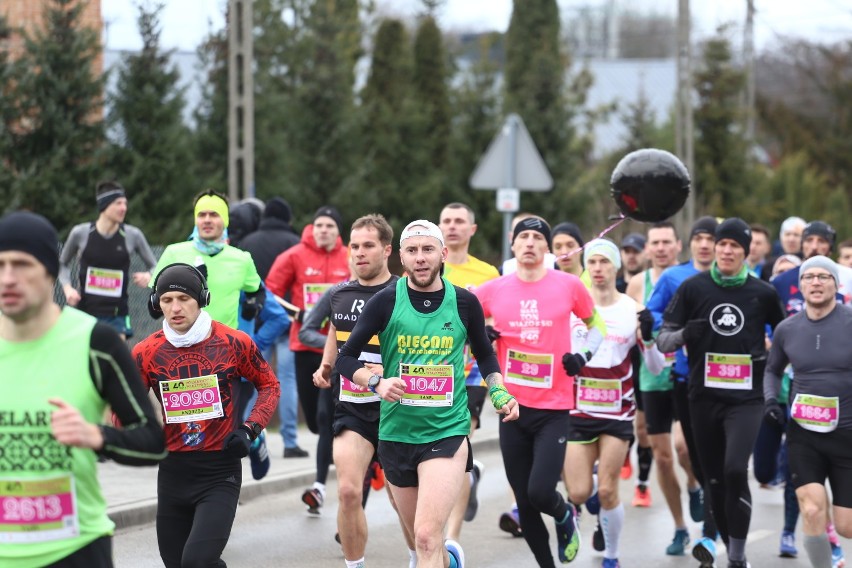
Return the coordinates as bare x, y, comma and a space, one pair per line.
204, 294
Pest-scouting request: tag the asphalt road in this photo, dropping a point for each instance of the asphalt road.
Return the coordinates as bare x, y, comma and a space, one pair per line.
276, 532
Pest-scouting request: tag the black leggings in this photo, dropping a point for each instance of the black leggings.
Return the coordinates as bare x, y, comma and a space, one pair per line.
197, 496
681, 403
306, 363
533, 449
96, 554
724, 438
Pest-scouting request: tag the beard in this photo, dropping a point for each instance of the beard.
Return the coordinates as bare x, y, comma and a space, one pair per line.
427, 280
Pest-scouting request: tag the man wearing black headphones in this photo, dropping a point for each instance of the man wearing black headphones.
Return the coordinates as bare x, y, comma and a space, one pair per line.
194, 366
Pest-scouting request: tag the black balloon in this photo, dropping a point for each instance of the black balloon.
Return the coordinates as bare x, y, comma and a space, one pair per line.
649, 185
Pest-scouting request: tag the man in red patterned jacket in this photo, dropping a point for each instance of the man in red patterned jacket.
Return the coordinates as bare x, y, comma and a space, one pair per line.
194, 366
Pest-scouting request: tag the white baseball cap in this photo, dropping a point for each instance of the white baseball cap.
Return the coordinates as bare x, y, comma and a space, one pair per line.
421, 228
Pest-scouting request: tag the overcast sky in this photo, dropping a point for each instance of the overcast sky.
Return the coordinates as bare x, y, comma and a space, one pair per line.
185, 22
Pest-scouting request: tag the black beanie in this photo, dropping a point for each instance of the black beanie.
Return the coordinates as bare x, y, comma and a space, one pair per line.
568, 228
111, 192
181, 278
329, 211
533, 224
705, 224
278, 209
735, 229
33, 234
820, 229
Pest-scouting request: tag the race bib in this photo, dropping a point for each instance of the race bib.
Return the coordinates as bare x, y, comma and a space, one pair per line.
724, 371
598, 395
313, 293
38, 510
190, 400
529, 369
816, 413
351, 392
104, 282
427, 385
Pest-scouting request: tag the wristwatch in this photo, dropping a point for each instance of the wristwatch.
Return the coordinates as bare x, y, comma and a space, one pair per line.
255, 429
373, 382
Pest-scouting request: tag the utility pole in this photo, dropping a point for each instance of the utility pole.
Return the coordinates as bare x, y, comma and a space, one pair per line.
748, 55
684, 128
240, 100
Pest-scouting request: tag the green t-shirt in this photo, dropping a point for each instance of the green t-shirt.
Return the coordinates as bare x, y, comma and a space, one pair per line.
427, 351
228, 273
52, 502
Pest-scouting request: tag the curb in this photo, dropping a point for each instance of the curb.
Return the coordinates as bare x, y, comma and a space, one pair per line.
144, 511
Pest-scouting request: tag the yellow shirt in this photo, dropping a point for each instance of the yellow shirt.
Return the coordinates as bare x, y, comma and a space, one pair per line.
470, 274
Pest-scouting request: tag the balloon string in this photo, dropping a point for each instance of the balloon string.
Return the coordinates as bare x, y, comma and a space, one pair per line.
620, 220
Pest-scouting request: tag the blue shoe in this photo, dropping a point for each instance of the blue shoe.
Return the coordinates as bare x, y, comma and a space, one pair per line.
705, 552
837, 558
568, 537
259, 457
593, 503
788, 545
696, 505
610, 563
456, 553
679, 543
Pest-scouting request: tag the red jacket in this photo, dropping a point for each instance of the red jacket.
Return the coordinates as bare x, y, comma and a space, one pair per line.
301, 266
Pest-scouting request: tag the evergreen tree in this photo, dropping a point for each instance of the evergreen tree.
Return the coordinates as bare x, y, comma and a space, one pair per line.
430, 90
210, 137
152, 150
56, 157
8, 114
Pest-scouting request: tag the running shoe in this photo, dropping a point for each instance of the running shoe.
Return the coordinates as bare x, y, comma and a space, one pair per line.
598, 541
837, 558
295, 452
788, 545
593, 503
568, 536
610, 563
679, 543
642, 496
627, 468
456, 553
377, 480
511, 523
696, 504
472, 502
259, 456
705, 552
313, 498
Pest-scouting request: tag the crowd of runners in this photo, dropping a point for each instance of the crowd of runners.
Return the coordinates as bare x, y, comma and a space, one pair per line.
728, 365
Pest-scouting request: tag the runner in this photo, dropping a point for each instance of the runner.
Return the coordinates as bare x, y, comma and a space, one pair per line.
356, 413
462, 269
194, 366
844, 253
567, 239
720, 316
423, 323
306, 271
759, 251
819, 434
102, 249
633, 260
60, 368
601, 424
227, 270
531, 311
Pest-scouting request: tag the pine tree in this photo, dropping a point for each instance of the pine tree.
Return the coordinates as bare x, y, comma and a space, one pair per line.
8, 114
152, 150
56, 158
430, 89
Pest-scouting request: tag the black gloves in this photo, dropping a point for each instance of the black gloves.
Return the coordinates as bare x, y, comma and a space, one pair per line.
573, 362
695, 329
492, 333
773, 413
238, 442
646, 324
253, 304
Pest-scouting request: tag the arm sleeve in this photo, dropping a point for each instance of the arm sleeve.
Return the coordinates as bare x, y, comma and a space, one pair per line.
69, 251
275, 323
775, 365
655, 361
255, 368
140, 440
480, 345
373, 319
309, 333
280, 277
597, 331
142, 248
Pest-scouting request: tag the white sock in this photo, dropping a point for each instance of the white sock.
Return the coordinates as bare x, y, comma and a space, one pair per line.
355, 563
412, 563
611, 522
470, 477
319, 487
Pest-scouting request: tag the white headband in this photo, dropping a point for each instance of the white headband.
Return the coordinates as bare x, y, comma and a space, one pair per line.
421, 228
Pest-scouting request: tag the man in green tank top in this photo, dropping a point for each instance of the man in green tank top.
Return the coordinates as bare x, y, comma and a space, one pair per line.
422, 323
59, 369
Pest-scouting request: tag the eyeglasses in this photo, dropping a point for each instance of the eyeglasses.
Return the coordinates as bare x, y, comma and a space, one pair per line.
823, 278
